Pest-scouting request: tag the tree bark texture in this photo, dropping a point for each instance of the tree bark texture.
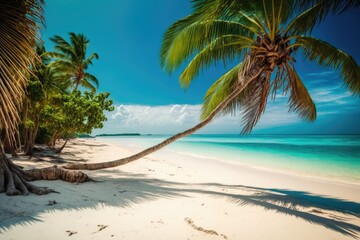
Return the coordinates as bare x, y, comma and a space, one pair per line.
15, 181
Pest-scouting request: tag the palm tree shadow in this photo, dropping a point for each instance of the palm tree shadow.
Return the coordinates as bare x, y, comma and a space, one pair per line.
128, 190
312, 208
315, 209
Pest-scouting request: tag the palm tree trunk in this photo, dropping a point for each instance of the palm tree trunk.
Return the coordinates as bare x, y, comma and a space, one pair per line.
255, 70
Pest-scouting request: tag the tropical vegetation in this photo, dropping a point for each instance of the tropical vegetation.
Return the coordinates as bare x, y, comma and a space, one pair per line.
40, 94
75, 113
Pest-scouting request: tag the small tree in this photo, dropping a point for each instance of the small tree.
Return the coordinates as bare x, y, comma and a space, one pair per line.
76, 114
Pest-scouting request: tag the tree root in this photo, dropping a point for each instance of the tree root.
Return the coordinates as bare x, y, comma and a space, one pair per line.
15, 181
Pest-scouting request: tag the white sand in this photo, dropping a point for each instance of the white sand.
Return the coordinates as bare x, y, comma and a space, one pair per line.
173, 196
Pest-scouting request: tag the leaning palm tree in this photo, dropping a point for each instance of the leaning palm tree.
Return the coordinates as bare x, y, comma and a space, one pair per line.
263, 36
19, 22
71, 61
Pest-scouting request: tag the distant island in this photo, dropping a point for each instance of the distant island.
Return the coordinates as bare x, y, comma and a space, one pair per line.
118, 134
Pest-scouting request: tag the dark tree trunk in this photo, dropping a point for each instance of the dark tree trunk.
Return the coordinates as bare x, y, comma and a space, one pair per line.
31, 137
28, 146
25, 129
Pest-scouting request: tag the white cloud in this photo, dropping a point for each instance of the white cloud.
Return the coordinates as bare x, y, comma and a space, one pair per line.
150, 119
168, 119
124, 116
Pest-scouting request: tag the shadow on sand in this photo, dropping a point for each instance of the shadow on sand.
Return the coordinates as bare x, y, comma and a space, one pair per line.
128, 190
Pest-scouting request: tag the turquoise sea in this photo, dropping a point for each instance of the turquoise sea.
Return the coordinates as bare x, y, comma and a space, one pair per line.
335, 157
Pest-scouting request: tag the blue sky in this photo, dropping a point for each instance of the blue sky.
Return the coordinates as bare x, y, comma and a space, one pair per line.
127, 36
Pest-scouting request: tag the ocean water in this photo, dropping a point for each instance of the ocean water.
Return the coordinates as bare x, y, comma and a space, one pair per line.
334, 157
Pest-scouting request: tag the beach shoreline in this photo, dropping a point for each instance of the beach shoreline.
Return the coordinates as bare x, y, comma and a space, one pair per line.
294, 155
172, 196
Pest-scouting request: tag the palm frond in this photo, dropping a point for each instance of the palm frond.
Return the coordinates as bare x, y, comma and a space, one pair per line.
181, 43
19, 23
328, 56
229, 9
280, 82
88, 85
172, 32
51, 82
254, 101
320, 9
225, 48
79, 44
54, 55
89, 60
255, 21
241, 76
223, 9
63, 48
63, 66
91, 78
300, 100
219, 91
328, 6
304, 22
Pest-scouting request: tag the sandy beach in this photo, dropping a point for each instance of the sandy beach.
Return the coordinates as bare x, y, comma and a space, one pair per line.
174, 196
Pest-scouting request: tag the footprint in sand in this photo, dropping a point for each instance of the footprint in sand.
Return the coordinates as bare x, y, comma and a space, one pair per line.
71, 232
191, 223
101, 227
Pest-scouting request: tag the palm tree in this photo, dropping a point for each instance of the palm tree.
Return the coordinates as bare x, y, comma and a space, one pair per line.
19, 22
71, 61
44, 83
264, 35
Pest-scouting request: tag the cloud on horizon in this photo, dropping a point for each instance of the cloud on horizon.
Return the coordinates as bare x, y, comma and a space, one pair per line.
174, 118
333, 102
